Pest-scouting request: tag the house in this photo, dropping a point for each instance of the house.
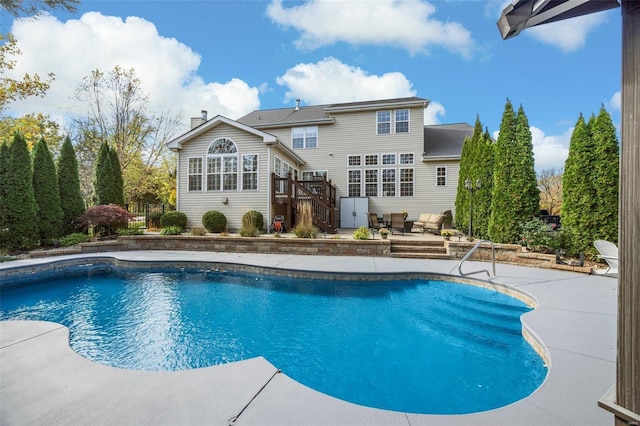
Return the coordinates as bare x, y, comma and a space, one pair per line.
347, 159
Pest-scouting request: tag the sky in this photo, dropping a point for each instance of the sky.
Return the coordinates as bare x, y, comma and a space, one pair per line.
231, 57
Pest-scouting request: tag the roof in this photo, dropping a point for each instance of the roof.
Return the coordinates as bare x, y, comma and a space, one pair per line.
267, 138
321, 114
445, 141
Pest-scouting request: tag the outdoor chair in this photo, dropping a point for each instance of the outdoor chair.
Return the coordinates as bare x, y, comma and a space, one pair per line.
397, 223
609, 253
373, 222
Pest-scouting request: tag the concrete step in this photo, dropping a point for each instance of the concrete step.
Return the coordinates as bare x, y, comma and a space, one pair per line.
417, 249
441, 256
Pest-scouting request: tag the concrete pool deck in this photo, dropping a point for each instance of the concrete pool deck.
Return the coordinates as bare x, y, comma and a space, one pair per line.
42, 381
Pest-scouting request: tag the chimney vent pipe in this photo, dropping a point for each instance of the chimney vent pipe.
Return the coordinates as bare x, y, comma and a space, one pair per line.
297, 104
204, 114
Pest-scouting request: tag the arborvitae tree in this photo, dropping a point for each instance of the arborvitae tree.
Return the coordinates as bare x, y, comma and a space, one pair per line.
69, 183
482, 198
525, 182
605, 177
4, 162
47, 194
502, 221
20, 203
515, 193
578, 193
466, 166
103, 177
118, 182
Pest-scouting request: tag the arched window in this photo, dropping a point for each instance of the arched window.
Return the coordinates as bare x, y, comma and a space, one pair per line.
222, 165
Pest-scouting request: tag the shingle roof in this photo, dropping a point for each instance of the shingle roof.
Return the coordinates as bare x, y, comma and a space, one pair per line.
445, 140
315, 114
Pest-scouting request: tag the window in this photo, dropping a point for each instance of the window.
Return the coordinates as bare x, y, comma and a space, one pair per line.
406, 182
214, 173
388, 159
406, 158
281, 167
222, 165
314, 175
355, 180
441, 176
402, 121
195, 174
304, 137
371, 182
250, 172
354, 160
371, 160
383, 122
388, 182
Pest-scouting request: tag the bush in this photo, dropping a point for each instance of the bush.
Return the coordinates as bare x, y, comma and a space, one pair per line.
198, 232
361, 233
105, 219
73, 239
154, 219
252, 222
254, 218
214, 221
538, 235
133, 230
171, 230
174, 218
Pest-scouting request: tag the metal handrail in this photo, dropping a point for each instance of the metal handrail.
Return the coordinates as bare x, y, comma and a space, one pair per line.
468, 255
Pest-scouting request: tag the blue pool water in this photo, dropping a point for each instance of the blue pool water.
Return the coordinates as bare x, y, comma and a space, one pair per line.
407, 345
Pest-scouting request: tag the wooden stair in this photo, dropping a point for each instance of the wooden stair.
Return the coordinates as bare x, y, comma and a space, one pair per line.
419, 249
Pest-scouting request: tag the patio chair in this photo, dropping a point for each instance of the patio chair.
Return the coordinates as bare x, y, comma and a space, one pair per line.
397, 223
374, 223
609, 253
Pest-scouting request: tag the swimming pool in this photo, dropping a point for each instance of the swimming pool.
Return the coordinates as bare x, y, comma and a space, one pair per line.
399, 343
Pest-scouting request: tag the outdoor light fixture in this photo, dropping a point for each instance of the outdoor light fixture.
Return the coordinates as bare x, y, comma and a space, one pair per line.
469, 184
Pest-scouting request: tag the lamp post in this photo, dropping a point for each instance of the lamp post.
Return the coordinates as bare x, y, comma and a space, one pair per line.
469, 184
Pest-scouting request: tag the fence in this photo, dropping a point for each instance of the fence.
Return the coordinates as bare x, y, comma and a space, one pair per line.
144, 214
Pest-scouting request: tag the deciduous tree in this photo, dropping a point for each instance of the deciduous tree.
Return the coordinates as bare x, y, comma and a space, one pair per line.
550, 186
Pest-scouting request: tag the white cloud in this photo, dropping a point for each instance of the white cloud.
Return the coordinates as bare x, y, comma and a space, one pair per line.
331, 81
407, 24
166, 68
431, 113
550, 151
568, 35
615, 103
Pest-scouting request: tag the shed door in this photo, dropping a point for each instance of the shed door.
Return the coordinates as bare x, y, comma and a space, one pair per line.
353, 212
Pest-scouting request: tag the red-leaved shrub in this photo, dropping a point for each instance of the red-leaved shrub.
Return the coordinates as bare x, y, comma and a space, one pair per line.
105, 219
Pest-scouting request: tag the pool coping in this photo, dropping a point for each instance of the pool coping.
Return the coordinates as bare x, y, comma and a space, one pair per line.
43, 381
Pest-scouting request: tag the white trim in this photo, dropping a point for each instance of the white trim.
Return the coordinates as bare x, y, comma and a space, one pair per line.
413, 182
395, 159
257, 173
202, 174
395, 182
354, 156
413, 159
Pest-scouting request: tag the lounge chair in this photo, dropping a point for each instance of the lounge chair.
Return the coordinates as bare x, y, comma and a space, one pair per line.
609, 253
397, 223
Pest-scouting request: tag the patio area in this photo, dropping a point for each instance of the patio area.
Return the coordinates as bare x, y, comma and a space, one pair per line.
42, 381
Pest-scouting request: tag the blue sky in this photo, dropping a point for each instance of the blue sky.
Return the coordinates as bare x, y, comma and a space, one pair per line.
231, 57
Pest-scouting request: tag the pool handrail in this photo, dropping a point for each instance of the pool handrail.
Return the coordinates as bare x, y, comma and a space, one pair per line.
468, 255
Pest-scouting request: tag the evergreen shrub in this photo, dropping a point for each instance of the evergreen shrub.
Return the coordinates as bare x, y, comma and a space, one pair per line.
214, 221
174, 218
255, 218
